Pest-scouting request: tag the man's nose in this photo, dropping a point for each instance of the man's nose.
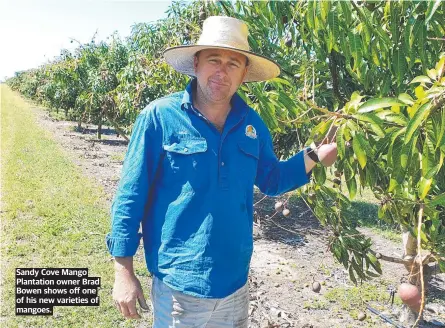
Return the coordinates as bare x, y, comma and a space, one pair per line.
223, 68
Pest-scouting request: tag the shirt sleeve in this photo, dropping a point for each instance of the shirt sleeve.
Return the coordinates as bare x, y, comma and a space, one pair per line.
137, 176
275, 177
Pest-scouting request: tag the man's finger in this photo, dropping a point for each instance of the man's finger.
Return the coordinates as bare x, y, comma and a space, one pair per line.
124, 310
133, 313
143, 302
118, 307
134, 316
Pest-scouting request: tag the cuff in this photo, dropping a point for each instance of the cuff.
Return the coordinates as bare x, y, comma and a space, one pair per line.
122, 247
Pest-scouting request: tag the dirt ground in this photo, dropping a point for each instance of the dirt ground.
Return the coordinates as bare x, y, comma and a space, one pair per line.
286, 259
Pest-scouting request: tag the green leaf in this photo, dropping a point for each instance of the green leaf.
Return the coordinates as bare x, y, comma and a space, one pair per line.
319, 174
406, 98
389, 116
281, 81
441, 135
424, 187
406, 36
352, 187
358, 269
351, 275
438, 200
440, 66
421, 45
394, 21
378, 103
374, 121
333, 28
428, 156
346, 10
359, 152
392, 184
414, 123
355, 43
341, 141
311, 14
374, 263
393, 142
399, 65
421, 79
364, 143
432, 73
372, 274
432, 7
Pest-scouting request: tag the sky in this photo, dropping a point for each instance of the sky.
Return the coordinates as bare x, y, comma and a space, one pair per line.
34, 31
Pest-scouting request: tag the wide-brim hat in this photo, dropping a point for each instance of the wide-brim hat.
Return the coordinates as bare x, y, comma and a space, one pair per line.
222, 32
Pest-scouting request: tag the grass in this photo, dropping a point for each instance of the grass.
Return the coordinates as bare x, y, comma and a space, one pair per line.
317, 304
367, 217
353, 299
119, 157
58, 116
52, 216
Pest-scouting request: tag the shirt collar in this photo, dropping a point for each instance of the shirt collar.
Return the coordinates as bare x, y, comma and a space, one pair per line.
239, 106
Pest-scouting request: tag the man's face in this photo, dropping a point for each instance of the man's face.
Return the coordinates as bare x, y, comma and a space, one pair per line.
220, 72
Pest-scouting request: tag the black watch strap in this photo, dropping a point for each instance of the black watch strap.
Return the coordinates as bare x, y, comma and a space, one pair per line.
312, 155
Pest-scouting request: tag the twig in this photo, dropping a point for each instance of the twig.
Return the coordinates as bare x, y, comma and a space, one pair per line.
313, 83
419, 249
327, 134
299, 117
390, 258
438, 39
280, 226
260, 200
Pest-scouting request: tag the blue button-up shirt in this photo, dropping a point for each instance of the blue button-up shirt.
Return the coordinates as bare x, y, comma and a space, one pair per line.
191, 188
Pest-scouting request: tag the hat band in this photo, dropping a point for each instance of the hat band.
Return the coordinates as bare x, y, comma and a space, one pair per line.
224, 44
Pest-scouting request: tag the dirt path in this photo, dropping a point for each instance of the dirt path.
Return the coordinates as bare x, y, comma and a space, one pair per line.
284, 263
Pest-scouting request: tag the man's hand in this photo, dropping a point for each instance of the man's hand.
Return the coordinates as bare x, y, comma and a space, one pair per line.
127, 289
327, 154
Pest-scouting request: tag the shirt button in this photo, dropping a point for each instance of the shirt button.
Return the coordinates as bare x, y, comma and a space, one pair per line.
222, 163
186, 149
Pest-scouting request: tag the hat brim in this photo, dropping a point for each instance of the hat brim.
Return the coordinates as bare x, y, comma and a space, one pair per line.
260, 68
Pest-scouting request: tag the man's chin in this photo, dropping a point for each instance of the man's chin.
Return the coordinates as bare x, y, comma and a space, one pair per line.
218, 97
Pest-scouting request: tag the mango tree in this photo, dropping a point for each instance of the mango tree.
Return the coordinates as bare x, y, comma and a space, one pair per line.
370, 51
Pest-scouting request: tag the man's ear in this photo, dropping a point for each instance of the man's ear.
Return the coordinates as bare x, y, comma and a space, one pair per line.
245, 73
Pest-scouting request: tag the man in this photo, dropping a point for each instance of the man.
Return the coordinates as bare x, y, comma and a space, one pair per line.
188, 176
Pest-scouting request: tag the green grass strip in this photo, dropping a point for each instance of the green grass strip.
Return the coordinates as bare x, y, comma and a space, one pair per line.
52, 216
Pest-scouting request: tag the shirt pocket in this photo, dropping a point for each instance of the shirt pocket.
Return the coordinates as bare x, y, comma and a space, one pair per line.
249, 153
185, 161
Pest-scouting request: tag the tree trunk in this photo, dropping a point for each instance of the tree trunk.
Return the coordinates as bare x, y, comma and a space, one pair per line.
79, 122
99, 127
408, 316
116, 127
409, 254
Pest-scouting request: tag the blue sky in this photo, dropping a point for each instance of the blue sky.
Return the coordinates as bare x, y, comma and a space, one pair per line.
34, 31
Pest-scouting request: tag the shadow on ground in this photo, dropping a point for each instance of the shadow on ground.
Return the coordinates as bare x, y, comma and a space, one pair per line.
290, 230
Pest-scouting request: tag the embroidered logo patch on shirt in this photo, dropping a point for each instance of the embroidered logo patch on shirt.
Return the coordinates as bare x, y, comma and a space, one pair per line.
250, 131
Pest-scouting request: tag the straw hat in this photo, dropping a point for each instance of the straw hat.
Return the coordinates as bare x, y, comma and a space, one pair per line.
223, 32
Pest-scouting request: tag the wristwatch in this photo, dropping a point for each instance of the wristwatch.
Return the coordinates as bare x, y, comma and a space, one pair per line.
312, 153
